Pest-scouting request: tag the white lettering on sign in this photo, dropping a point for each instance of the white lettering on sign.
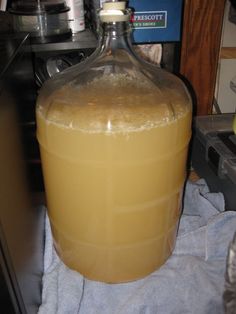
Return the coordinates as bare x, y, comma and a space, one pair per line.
153, 17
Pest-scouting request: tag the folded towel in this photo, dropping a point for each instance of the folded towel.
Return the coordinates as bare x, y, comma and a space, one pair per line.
191, 281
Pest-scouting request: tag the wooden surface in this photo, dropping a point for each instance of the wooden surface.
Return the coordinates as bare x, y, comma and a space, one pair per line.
200, 49
228, 53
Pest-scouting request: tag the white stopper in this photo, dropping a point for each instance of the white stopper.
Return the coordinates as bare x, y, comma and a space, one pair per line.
114, 12
118, 5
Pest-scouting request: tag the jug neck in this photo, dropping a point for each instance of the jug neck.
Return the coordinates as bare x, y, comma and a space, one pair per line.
114, 36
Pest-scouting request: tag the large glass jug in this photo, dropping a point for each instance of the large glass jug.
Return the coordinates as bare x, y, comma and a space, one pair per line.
114, 134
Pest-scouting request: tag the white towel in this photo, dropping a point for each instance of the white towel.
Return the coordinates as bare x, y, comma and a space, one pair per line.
191, 281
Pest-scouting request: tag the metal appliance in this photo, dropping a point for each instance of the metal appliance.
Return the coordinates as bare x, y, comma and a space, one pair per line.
21, 221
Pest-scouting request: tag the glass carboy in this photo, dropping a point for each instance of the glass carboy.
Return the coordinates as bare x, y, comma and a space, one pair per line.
113, 134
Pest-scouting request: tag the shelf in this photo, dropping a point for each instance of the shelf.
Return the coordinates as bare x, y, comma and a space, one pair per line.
82, 40
228, 53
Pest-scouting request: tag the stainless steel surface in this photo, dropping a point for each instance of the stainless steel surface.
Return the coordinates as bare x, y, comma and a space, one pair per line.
55, 65
21, 223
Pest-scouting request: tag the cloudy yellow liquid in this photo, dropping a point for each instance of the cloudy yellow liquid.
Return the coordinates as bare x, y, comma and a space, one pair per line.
114, 173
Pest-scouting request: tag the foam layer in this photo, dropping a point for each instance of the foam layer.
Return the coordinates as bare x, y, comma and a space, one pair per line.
112, 103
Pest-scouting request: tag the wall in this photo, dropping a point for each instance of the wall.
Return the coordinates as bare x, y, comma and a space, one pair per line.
225, 91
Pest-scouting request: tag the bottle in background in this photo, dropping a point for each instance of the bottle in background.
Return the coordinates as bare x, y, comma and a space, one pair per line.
76, 15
